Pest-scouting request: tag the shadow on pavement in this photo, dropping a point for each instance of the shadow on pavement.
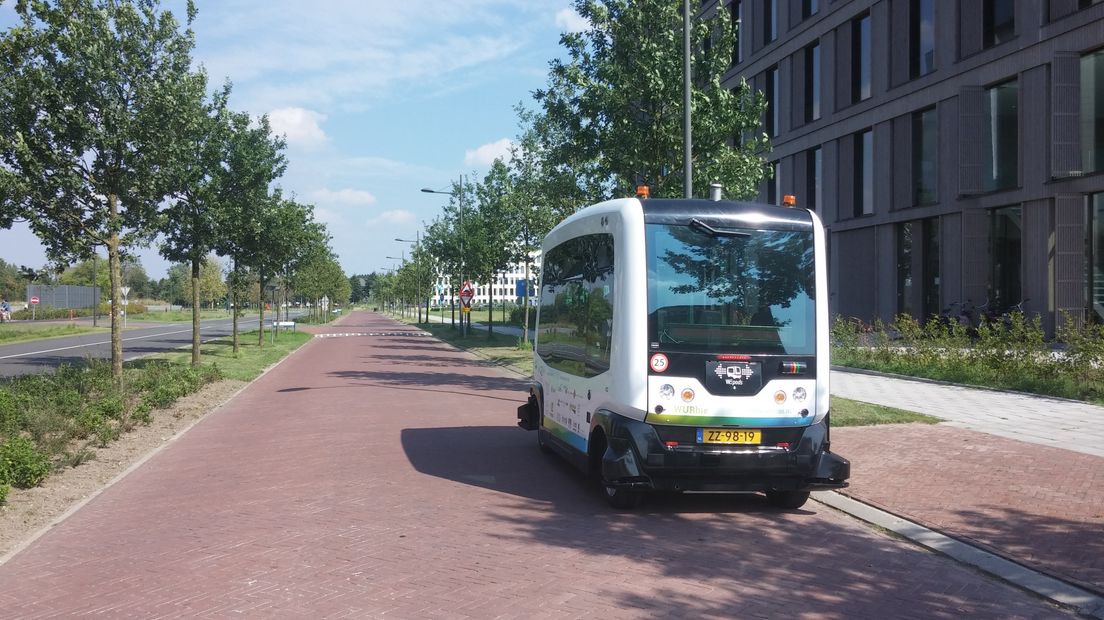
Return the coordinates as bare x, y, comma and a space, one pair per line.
432, 381
745, 558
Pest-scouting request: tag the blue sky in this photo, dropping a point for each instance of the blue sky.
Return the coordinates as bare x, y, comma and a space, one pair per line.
377, 99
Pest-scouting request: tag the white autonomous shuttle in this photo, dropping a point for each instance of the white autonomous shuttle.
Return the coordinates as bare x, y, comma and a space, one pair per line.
682, 345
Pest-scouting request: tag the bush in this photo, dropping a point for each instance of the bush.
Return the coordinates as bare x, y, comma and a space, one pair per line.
4, 488
21, 464
42, 313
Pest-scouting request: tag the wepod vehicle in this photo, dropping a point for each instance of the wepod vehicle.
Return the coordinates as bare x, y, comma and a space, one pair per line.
682, 345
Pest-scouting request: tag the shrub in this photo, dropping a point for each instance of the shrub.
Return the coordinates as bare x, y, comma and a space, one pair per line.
4, 488
21, 464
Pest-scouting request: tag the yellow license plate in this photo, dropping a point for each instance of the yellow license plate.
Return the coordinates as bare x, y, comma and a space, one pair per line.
730, 436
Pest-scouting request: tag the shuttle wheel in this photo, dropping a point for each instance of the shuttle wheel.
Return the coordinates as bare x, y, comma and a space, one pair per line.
787, 499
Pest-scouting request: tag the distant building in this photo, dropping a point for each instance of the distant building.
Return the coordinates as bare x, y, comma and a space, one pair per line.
506, 286
953, 148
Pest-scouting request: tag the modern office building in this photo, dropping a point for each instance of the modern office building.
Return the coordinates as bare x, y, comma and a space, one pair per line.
953, 148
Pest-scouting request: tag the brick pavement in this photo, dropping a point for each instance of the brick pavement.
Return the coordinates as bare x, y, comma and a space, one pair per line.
383, 476
1043, 507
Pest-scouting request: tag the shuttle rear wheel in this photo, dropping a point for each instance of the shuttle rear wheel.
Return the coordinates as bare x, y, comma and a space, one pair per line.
622, 498
787, 499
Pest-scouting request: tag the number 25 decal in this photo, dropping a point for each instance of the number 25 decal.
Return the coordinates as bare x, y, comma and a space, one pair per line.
658, 362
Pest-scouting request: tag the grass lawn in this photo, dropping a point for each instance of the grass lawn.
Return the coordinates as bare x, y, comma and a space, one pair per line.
504, 350
22, 332
251, 359
183, 316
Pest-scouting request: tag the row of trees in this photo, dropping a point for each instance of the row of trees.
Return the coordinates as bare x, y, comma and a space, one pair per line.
109, 138
610, 119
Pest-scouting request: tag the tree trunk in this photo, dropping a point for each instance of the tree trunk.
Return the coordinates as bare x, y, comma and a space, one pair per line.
114, 273
261, 307
234, 308
195, 312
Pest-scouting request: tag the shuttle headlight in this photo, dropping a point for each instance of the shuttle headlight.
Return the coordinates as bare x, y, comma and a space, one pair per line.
667, 391
799, 395
779, 397
687, 395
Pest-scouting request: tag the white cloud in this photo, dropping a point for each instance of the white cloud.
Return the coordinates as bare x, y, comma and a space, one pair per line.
343, 197
395, 216
299, 125
485, 155
570, 21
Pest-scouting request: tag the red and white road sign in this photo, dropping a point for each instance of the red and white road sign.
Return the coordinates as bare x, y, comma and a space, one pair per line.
34, 301
658, 362
466, 294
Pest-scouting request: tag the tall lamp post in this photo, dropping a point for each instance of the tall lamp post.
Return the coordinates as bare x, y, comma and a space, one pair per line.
416, 243
459, 195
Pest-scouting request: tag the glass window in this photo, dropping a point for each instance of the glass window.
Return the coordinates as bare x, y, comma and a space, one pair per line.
925, 145
921, 37
1002, 136
812, 82
864, 173
1092, 111
770, 21
931, 267
576, 306
741, 291
998, 21
772, 101
809, 8
860, 59
737, 14
1005, 231
812, 171
1096, 256
904, 268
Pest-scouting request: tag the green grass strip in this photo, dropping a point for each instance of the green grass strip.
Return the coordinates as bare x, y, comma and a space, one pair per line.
11, 333
251, 359
847, 412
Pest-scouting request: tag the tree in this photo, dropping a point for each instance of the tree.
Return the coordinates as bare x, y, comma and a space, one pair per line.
91, 101
612, 113
498, 218
189, 222
253, 160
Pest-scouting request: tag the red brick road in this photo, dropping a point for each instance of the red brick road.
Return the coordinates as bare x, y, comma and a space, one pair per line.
1041, 506
382, 476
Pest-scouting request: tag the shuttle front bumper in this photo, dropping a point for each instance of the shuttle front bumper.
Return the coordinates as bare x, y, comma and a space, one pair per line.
669, 458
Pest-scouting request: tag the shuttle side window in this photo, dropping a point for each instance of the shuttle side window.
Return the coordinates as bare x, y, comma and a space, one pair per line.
577, 304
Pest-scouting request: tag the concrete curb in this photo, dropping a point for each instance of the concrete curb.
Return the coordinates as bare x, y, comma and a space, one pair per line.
1057, 591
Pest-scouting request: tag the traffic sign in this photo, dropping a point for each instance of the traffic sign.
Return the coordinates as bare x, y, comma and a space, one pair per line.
125, 290
466, 294
34, 301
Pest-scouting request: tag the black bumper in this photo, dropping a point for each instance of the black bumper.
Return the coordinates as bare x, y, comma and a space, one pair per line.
637, 456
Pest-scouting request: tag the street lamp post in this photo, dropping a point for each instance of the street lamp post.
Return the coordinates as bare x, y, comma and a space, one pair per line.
417, 241
459, 195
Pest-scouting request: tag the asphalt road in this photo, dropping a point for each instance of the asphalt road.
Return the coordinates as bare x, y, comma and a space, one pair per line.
41, 355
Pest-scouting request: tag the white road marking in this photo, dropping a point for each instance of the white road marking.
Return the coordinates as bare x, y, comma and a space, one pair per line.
96, 344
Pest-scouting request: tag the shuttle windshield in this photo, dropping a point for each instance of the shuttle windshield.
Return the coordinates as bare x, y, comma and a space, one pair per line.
731, 290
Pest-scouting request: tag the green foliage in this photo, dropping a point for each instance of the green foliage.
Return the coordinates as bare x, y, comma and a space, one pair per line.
21, 464
612, 112
4, 489
846, 412
1006, 354
44, 314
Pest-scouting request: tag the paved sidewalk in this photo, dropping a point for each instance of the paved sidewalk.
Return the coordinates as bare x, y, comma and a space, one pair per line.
382, 476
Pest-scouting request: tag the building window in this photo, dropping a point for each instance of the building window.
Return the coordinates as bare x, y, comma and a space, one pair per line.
864, 173
925, 146
812, 82
998, 21
1096, 256
1002, 136
1084, 4
809, 8
921, 37
772, 101
904, 268
1005, 232
860, 59
774, 184
930, 277
736, 10
1092, 111
770, 21
813, 179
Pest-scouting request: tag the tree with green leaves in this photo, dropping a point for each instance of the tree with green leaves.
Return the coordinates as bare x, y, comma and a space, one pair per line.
93, 97
612, 114
253, 160
189, 223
